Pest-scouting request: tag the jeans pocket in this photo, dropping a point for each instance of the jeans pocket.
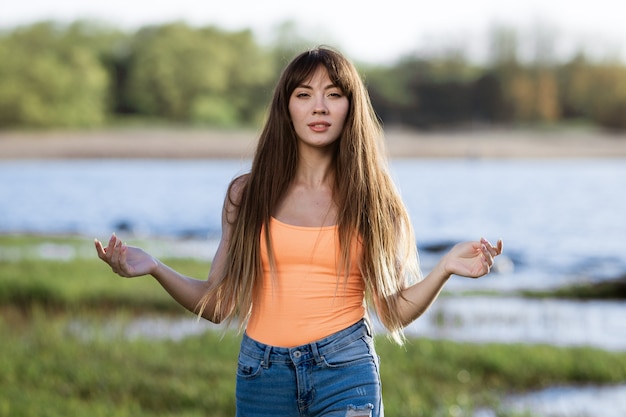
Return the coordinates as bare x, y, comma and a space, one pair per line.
359, 351
248, 367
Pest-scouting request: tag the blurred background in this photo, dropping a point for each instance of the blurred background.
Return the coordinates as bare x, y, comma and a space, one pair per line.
427, 65
505, 119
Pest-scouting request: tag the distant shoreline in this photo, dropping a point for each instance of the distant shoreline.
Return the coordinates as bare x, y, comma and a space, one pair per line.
215, 144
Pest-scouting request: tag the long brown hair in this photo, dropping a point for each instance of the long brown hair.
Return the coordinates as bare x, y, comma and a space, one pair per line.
369, 206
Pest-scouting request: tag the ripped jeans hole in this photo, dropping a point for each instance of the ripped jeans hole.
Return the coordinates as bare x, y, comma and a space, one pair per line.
360, 411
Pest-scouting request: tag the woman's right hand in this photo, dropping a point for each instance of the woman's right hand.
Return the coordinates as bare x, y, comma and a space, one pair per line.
126, 261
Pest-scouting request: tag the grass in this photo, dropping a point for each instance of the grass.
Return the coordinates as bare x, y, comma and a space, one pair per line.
48, 371
84, 283
76, 282
614, 289
49, 368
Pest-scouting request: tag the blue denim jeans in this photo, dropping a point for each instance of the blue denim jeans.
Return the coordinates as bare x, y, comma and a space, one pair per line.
337, 376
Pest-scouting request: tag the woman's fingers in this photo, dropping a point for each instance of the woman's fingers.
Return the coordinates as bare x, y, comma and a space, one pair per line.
99, 249
111, 245
116, 256
123, 265
493, 250
487, 256
104, 253
111, 254
490, 252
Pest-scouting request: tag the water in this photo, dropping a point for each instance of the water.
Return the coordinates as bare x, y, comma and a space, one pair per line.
568, 402
90, 197
562, 222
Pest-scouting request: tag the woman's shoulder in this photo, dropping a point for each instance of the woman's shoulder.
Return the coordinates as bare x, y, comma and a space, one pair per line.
233, 196
237, 185
236, 189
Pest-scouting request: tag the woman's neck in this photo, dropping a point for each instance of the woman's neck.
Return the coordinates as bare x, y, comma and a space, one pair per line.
315, 169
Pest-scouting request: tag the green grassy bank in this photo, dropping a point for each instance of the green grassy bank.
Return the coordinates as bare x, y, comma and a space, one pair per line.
50, 366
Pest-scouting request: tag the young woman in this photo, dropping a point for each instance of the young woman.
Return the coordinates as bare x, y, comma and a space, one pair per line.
313, 237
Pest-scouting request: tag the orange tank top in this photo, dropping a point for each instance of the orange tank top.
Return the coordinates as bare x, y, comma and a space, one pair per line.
306, 299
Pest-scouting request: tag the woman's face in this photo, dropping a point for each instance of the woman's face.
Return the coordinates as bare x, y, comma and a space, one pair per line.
318, 110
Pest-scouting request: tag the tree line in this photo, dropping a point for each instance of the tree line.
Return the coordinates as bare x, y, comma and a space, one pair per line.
89, 74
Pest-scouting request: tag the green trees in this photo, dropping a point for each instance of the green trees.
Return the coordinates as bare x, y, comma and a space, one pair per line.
448, 90
89, 74
83, 74
196, 75
51, 76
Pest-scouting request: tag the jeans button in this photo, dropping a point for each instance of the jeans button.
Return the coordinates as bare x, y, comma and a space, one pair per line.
297, 354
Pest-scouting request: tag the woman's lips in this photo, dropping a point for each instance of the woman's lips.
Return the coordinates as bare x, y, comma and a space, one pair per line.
319, 126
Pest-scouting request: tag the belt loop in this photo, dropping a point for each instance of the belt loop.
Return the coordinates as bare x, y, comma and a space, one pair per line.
266, 357
316, 353
368, 327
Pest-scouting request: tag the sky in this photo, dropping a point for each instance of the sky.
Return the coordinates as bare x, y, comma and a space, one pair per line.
368, 31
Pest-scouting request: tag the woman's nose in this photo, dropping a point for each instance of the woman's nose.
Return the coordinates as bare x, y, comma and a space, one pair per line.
320, 107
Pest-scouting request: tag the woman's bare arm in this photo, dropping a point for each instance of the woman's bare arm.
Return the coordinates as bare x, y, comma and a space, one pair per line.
129, 261
469, 259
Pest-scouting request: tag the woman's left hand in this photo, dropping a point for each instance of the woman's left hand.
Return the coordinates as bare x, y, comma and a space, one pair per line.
472, 259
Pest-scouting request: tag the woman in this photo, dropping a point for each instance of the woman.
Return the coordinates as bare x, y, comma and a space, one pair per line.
312, 236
